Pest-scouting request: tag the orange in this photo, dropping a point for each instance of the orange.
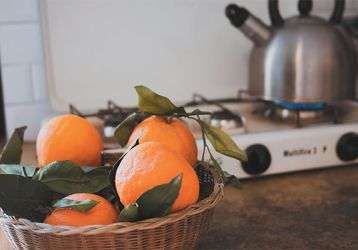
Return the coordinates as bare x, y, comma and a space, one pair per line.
151, 164
172, 133
69, 137
102, 214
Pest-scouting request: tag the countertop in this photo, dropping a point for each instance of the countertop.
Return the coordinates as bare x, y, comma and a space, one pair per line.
307, 210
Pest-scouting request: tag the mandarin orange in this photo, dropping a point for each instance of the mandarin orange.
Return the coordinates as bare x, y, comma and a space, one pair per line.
151, 164
102, 214
69, 137
171, 132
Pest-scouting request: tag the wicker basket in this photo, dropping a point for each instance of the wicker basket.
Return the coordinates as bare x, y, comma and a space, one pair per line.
180, 230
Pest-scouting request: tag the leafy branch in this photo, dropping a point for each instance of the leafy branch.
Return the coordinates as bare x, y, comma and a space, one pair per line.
151, 103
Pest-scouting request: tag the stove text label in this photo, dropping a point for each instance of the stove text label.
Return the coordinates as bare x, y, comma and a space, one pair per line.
300, 151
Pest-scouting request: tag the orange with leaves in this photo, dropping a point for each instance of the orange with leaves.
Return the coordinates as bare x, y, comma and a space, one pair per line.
151, 164
102, 213
69, 137
171, 132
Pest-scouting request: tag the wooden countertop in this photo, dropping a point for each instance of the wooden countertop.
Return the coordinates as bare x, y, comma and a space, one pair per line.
307, 210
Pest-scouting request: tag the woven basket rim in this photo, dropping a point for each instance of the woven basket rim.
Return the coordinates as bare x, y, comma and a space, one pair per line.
122, 227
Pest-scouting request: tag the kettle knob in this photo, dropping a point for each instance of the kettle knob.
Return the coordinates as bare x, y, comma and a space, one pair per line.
304, 7
237, 15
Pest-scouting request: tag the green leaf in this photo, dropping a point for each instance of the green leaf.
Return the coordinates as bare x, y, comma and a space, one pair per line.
12, 152
157, 201
222, 142
112, 173
24, 198
65, 177
25, 171
129, 213
80, 206
152, 103
125, 128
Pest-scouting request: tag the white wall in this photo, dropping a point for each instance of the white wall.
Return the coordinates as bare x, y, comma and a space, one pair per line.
25, 93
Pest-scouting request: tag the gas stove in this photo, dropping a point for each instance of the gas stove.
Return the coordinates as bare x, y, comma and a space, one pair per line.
279, 140
278, 137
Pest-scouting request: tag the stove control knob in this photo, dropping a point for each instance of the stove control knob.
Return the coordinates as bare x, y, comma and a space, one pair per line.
258, 159
347, 147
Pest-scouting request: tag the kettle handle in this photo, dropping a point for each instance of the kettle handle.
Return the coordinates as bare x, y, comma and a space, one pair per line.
338, 11
304, 9
274, 13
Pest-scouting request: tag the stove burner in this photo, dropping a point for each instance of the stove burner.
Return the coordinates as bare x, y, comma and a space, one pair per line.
111, 116
300, 106
225, 120
300, 113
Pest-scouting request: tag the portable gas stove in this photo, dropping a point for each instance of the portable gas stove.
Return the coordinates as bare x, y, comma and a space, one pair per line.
278, 137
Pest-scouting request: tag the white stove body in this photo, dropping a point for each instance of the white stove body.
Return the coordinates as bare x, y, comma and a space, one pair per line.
290, 148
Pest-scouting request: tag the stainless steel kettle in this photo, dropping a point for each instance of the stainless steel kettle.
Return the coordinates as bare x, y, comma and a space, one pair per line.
300, 59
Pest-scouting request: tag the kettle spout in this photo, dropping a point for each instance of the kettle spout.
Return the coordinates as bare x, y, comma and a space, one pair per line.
252, 27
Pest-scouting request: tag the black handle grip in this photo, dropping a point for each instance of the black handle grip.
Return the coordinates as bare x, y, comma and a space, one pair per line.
237, 15
304, 7
274, 13
338, 11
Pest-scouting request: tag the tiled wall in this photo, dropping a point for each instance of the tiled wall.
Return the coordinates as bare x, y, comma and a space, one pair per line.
22, 65
25, 95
